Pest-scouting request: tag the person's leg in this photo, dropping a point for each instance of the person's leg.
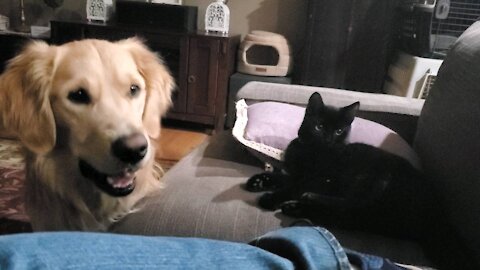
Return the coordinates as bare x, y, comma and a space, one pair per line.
288, 248
310, 247
372, 262
74, 250
306, 247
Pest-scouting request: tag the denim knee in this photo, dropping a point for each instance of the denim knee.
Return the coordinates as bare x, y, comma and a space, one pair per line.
306, 247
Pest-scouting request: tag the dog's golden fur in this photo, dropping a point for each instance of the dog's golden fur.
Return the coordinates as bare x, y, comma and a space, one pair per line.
57, 133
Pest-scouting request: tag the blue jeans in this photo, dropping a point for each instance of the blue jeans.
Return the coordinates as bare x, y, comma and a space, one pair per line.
289, 248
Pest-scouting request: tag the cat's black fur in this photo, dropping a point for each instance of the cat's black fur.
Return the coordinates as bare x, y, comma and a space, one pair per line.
354, 185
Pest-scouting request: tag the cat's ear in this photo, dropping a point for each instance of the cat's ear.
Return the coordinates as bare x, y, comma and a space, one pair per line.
350, 111
315, 103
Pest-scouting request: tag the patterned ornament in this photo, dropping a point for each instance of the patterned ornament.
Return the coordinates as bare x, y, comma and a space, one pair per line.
99, 10
217, 17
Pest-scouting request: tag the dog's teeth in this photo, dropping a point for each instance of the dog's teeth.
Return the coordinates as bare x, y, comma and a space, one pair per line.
121, 181
110, 181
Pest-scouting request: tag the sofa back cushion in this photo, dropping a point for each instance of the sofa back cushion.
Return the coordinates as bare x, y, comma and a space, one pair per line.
448, 137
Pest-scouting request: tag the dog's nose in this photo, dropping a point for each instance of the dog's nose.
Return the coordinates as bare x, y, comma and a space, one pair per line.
130, 149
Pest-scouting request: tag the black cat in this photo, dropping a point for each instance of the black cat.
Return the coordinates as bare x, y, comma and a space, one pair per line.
346, 185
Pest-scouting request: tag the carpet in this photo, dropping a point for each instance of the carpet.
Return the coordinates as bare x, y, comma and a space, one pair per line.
12, 212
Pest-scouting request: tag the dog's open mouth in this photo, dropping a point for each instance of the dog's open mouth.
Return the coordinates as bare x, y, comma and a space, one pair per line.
117, 185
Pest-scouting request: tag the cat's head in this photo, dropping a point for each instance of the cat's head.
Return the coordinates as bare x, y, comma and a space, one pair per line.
326, 125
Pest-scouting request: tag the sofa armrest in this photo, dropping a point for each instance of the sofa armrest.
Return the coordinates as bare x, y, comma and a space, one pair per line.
398, 113
299, 94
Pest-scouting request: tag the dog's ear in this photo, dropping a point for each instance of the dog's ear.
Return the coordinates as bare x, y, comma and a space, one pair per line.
24, 97
159, 84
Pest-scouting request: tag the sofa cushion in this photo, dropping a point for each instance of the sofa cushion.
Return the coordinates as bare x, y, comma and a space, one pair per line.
204, 197
448, 134
268, 127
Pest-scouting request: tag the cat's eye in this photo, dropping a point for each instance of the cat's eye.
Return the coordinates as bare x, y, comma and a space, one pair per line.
79, 96
339, 131
134, 90
318, 127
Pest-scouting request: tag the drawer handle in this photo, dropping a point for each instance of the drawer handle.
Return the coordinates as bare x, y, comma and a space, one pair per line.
191, 79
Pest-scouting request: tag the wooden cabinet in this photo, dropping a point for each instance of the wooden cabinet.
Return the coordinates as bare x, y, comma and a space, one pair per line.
200, 63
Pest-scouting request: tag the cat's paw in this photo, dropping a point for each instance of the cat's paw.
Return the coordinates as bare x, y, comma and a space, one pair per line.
293, 208
267, 201
260, 182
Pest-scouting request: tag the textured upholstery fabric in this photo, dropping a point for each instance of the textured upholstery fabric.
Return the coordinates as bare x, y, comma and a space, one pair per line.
204, 197
299, 94
448, 137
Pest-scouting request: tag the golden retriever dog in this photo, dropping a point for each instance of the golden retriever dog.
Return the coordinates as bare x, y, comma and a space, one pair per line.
87, 112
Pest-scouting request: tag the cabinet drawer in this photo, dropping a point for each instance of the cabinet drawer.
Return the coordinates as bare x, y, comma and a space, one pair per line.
202, 76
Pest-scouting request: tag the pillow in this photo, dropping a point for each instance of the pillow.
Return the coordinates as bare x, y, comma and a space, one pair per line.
266, 128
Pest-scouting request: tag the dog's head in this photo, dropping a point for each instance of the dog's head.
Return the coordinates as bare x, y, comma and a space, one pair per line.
99, 101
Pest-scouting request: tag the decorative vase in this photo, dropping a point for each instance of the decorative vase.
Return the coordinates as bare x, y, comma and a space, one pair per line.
99, 10
217, 17
23, 27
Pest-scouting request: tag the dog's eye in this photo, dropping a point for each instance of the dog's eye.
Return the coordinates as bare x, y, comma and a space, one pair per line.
79, 96
134, 90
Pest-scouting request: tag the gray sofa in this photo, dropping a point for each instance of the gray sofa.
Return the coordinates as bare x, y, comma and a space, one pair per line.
203, 196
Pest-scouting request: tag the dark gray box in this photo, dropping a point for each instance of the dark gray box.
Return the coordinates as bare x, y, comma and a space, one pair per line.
169, 17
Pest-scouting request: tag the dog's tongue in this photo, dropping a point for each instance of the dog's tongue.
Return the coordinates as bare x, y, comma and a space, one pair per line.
122, 180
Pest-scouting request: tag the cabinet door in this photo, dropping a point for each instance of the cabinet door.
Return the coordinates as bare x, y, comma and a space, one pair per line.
202, 75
